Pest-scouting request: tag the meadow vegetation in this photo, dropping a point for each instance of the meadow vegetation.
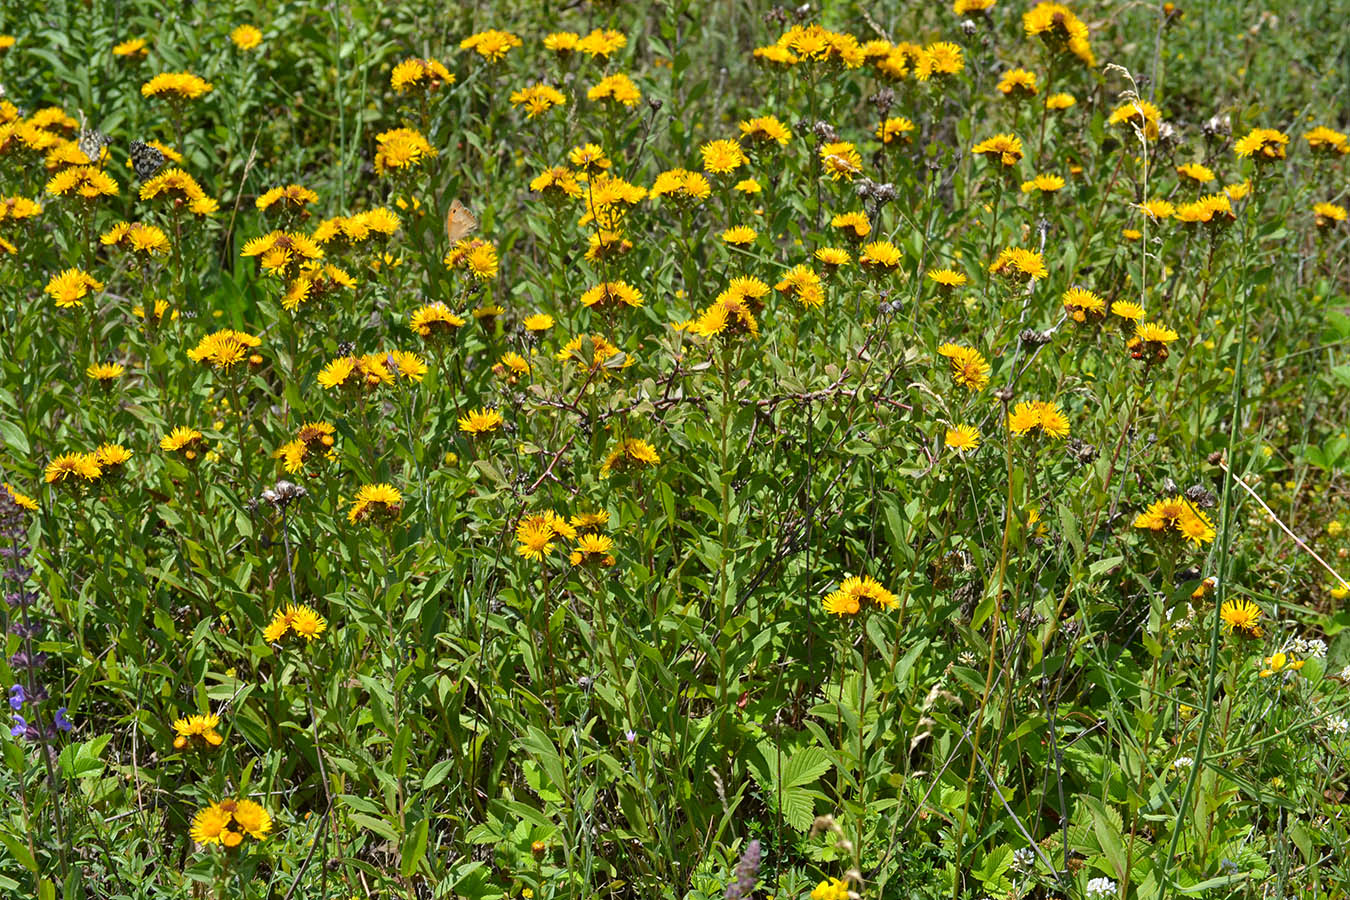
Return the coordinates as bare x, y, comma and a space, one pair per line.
690, 449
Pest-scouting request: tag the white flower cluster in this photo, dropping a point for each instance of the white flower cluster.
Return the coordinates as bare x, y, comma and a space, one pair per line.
1308, 649
1100, 888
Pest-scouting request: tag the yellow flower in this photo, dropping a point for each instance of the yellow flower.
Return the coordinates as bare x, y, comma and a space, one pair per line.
87, 182
174, 184
1060, 101
492, 45
629, 455
105, 373
375, 503
602, 42
209, 824
880, 256
221, 350
592, 549
1328, 214
947, 280
435, 319
1196, 172
1177, 516
1323, 140
1128, 311
197, 726
23, 501
941, 58
766, 129
739, 235
720, 157
130, 49
1263, 145
1242, 616
401, 148
1083, 306
612, 293
854, 222
968, 366
617, 87
252, 818
833, 257
1280, 662
1032, 415
895, 131
1006, 149
246, 37
177, 85
1019, 264
185, 441
1139, 113
69, 288
562, 42
680, 184
538, 322
537, 99
1060, 30
963, 439
1157, 209
480, 421
835, 888
73, 466
419, 72
850, 596
1150, 342
840, 160
1017, 83
1046, 184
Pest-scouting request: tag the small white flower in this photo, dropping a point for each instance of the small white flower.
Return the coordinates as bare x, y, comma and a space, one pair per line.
1337, 724
1345, 674
1024, 858
1182, 762
1101, 887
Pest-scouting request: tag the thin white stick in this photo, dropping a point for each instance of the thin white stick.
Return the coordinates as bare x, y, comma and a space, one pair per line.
1285, 528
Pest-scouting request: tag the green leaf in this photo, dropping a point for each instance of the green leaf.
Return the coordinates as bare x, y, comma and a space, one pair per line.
414, 848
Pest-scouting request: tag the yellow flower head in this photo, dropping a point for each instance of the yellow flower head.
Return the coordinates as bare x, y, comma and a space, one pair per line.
1140, 114
629, 455
855, 592
1005, 149
1263, 145
1242, 617
969, 368
963, 439
1017, 84
492, 45
177, 86
375, 503
1032, 416
420, 73
720, 157
246, 37
69, 288
480, 421
618, 88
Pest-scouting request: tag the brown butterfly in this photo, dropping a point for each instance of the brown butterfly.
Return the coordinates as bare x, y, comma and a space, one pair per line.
459, 222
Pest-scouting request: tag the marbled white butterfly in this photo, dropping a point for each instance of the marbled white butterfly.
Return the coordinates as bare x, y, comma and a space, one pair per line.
146, 160
92, 141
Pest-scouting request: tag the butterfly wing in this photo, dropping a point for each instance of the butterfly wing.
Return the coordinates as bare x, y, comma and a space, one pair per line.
146, 160
459, 222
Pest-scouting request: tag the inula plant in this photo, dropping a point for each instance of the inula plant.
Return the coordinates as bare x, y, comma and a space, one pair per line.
680, 450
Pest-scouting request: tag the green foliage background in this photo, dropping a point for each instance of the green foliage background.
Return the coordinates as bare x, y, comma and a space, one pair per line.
476, 724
